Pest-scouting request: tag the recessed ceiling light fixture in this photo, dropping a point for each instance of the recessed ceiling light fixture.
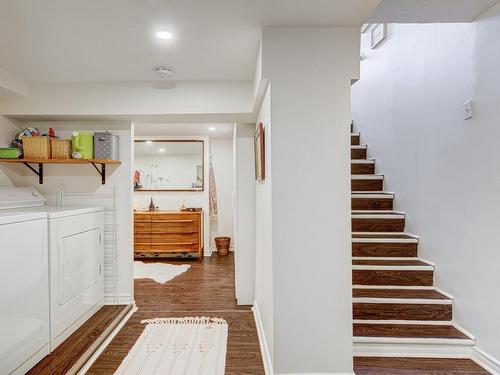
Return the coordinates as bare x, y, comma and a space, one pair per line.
149, 142
165, 35
212, 128
161, 150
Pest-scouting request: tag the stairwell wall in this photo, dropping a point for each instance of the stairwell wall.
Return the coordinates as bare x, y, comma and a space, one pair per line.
309, 71
408, 106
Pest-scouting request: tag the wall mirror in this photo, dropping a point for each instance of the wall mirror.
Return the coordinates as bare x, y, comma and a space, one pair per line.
173, 165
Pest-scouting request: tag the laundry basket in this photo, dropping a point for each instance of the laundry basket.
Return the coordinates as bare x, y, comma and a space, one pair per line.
222, 244
36, 147
61, 148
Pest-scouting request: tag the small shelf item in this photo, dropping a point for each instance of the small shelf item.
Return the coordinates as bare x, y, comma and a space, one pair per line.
60, 148
41, 162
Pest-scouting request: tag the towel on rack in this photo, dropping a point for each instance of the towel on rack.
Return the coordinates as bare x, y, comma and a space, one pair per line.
212, 194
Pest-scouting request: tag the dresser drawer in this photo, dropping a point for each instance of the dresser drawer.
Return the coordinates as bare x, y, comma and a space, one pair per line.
140, 227
174, 237
142, 237
142, 218
142, 246
175, 217
174, 227
174, 247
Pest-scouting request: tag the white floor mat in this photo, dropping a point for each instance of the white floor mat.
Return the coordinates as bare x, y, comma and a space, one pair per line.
159, 272
178, 346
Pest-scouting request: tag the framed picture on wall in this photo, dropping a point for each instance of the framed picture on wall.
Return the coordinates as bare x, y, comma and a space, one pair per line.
260, 153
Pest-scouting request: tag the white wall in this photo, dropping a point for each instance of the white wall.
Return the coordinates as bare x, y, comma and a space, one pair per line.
264, 231
173, 200
244, 224
9, 175
310, 72
408, 107
221, 153
12, 86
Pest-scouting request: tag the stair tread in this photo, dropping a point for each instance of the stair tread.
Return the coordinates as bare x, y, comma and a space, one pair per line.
398, 293
408, 331
363, 161
389, 262
385, 235
373, 176
370, 193
376, 212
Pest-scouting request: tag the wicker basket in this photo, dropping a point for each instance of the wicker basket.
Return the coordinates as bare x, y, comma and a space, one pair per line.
61, 148
36, 147
222, 244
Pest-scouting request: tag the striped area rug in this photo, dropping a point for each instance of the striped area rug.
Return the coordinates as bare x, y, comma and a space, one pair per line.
178, 346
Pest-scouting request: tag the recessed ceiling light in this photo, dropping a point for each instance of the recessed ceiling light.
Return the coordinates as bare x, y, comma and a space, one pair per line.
149, 142
212, 128
165, 35
161, 150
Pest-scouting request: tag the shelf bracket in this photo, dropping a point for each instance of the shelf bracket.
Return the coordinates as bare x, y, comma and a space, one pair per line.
39, 173
102, 172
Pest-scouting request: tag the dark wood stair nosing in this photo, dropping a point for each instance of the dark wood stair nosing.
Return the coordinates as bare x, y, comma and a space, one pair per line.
383, 238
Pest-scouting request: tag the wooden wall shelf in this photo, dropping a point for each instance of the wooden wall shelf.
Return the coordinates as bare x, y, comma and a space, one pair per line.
41, 162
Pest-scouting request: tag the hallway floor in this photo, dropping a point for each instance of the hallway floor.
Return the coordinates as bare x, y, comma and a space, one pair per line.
206, 289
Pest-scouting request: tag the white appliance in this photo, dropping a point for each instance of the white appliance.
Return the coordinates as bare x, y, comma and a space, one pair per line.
24, 280
70, 282
76, 257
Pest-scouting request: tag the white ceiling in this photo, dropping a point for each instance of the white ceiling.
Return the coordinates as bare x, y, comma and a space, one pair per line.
221, 130
113, 40
428, 11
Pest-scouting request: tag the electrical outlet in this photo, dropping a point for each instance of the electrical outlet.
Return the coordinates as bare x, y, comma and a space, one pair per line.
468, 112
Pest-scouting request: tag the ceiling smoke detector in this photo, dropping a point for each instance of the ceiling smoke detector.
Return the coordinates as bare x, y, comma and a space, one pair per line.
166, 76
163, 72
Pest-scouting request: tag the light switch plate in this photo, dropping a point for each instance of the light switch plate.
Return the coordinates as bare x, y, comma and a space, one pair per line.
468, 112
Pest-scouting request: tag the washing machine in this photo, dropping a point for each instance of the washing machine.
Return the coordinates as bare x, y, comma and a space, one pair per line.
24, 277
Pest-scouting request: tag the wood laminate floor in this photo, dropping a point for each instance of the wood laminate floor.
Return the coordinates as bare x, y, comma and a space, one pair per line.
416, 366
206, 289
67, 354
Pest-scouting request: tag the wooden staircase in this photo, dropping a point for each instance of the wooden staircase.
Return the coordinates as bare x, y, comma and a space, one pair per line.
397, 310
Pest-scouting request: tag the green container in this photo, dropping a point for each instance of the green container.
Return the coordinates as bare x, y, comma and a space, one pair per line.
9, 153
83, 142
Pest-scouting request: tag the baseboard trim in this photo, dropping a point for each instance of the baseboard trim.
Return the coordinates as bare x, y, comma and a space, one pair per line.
264, 349
97, 351
485, 360
85, 357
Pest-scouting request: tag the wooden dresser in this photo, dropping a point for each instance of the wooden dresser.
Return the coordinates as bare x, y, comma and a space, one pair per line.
168, 233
